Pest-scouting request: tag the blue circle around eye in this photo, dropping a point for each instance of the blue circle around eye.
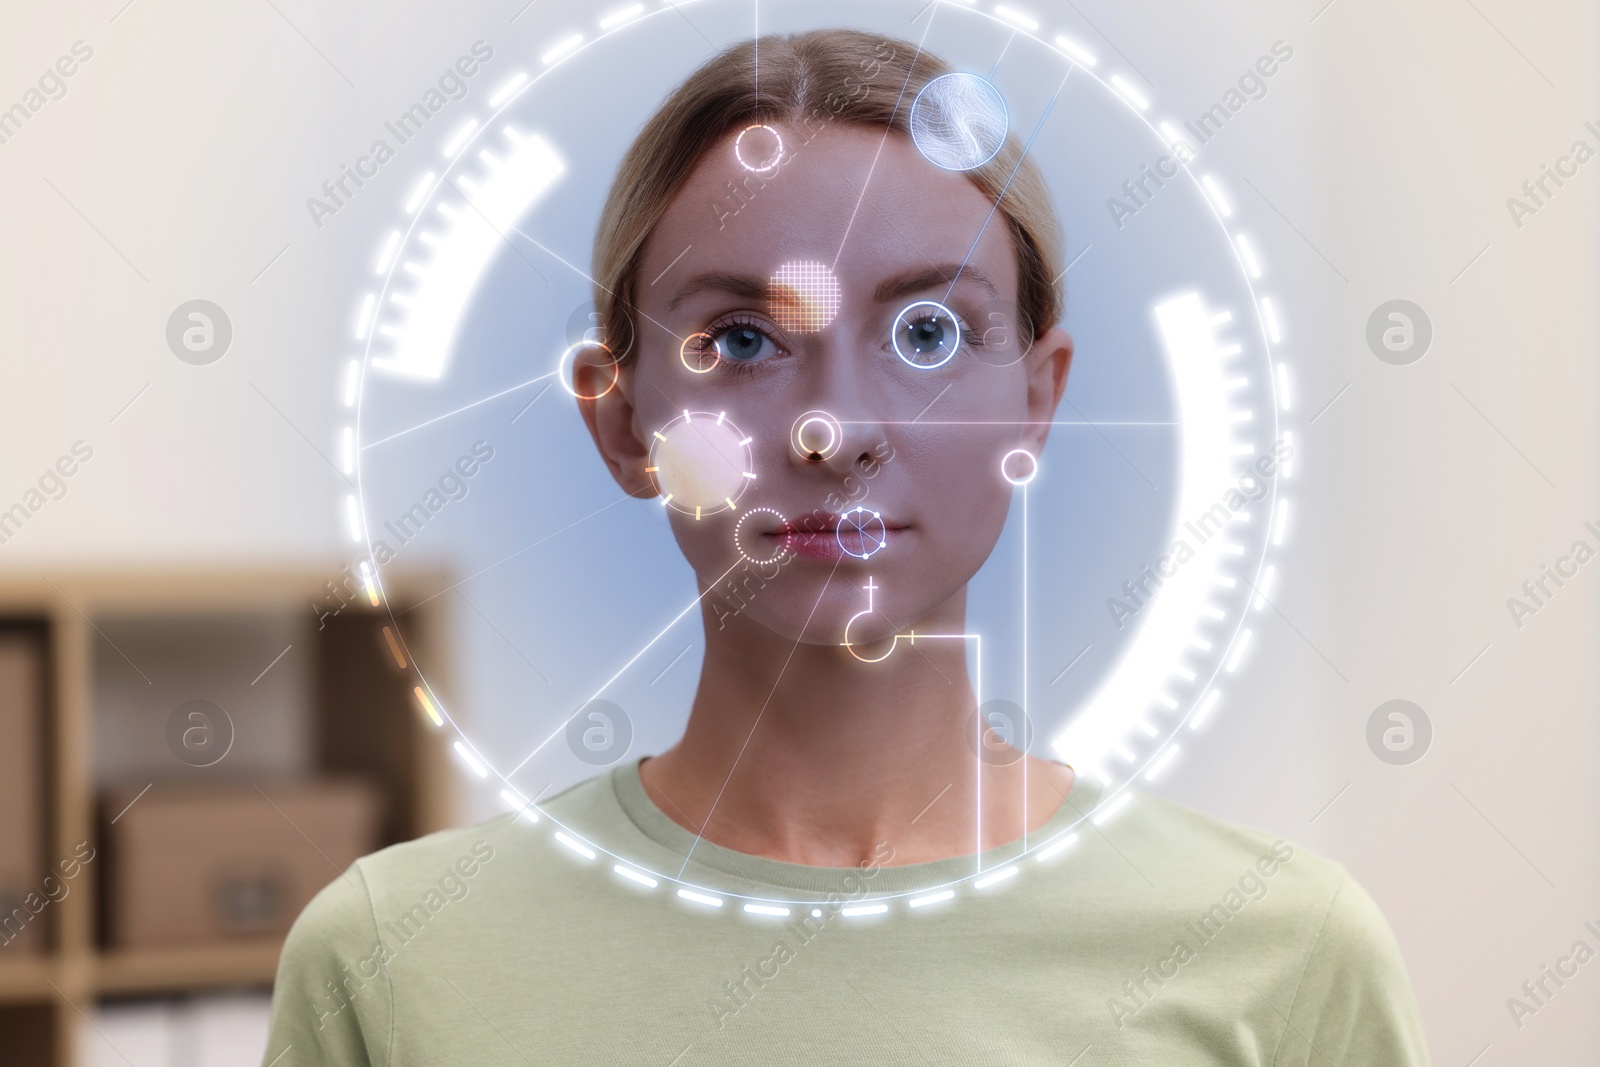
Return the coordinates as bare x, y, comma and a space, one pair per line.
741, 344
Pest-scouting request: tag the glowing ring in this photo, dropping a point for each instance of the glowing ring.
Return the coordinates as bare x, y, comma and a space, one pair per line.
777, 156
788, 536
1115, 797
728, 502
876, 517
715, 349
1033, 470
797, 436
894, 334
561, 368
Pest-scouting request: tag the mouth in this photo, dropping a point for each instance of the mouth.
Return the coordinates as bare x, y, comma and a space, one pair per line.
823, 535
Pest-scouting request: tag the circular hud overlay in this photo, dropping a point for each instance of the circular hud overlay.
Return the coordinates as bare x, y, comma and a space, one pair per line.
1145, 533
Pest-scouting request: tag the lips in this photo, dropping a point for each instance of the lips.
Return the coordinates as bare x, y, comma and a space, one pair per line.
816, 535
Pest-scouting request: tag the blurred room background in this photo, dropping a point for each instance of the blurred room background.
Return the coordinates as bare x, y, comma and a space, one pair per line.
206, 715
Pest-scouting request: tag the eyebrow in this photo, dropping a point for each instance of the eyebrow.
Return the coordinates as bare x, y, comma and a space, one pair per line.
722, 282
927, 277
900, 285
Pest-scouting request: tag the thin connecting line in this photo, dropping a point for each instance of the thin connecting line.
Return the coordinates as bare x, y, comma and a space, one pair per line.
530, 403
931, 803
1330, 803
307, 40
268, 267
1320, 10
273, 664
1514, 48
1069, 666
129, 404
1108, 40
621, 670
887, 130
88, 1020
501, 635
489, 1024
1069, 266
1468, 667
457, 411
1329, 404
1503, 437
96, 629
1003, 50
934, 401
1296, 629
890, 1021
131, 803
580, 273
674, 263
1503, 837
764, 704
504, 559
96, 229
673, 664
1037, 128
720, 850
498, 232
342, 874
1297, 230
1107, 440
1085, 820
336, 468
1474, 259
1288, 1023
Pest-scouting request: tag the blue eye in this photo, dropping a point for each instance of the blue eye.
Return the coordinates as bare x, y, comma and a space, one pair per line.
926, 335
743, 344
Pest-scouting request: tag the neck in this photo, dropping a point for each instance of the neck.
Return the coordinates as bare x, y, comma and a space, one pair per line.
803, 753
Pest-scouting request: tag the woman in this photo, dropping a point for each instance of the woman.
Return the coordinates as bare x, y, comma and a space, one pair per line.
782, 259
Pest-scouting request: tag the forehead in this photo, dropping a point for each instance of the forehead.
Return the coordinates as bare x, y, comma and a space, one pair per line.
867, 204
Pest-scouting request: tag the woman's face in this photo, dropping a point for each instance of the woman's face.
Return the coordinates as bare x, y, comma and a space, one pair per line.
788, 296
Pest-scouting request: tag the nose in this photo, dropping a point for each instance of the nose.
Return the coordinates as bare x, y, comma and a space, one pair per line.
842, 426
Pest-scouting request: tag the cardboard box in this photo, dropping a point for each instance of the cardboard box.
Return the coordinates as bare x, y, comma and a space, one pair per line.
195, 864
22, 782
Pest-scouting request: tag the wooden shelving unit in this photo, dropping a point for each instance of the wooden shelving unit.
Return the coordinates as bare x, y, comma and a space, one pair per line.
364, 721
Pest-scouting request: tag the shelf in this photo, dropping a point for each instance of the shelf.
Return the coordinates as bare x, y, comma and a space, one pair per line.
234, 963
363, 722
25, 979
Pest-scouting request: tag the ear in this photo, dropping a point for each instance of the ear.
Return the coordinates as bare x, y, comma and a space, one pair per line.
1047, 363
605, 400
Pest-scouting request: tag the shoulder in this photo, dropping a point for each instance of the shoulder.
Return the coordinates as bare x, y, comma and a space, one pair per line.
1321, 950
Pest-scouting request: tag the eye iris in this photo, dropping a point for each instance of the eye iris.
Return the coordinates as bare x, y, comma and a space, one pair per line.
742, 342
927, 336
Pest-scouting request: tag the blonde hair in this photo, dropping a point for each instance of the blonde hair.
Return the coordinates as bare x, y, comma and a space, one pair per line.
807, 80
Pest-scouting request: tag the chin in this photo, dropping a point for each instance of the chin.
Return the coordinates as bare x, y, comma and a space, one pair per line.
793, 611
